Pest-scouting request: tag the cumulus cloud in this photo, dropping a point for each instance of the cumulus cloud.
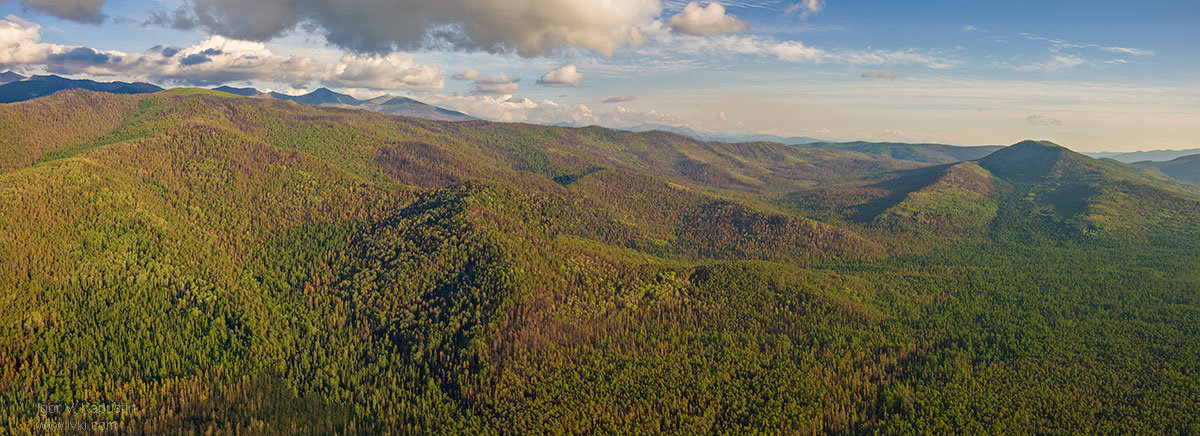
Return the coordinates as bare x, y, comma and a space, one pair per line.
1039, 120
19, 43
619, 99
491, 84
697, 20
562, 76
880, 75
805, 8
388, 72
83, 11
527, 27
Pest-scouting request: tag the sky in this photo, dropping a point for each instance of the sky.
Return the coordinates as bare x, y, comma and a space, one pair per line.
1090, 75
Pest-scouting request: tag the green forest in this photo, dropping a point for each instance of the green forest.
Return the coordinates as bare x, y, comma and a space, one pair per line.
229, 264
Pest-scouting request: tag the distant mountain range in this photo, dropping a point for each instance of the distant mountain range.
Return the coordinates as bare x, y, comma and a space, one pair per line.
386, 104
723, 137
927, 153
9, 76
1142, 156
28, 88
16, 87
1184, 169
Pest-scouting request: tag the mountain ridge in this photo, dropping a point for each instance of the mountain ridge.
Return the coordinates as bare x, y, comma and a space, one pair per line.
1184, 169
42, 85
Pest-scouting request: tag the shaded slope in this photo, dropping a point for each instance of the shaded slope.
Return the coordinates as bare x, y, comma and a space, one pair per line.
9, 76
39, 86
1184, 169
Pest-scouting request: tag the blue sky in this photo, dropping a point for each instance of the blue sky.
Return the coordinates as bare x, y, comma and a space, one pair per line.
1097, 75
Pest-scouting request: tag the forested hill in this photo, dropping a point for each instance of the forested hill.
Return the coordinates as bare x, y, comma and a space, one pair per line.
235, 264
929, 153
1185, 169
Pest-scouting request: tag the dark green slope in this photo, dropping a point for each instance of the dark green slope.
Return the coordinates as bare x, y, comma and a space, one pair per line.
236, 264
40, 86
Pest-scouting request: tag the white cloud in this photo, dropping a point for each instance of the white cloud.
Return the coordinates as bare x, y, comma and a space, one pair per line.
494, 84
562, 76
390, 72
797, 51
1057, 63
1127, 50
697, 20
19, 43
1061, 44
805, 8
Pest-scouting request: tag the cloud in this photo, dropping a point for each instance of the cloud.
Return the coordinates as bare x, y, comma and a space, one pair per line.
199, 58
619, 99
1059, 43
1057, 63
83, 11
19, 43
1127, 50
517, 109
697, 20
562, 76
797, 51
390, 72
179, 19
805, 8
216, 60
526, 27
1039, 120
968, 28
493, 84
880, 75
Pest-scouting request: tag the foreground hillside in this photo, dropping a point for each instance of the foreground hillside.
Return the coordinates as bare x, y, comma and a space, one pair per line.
226, 263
